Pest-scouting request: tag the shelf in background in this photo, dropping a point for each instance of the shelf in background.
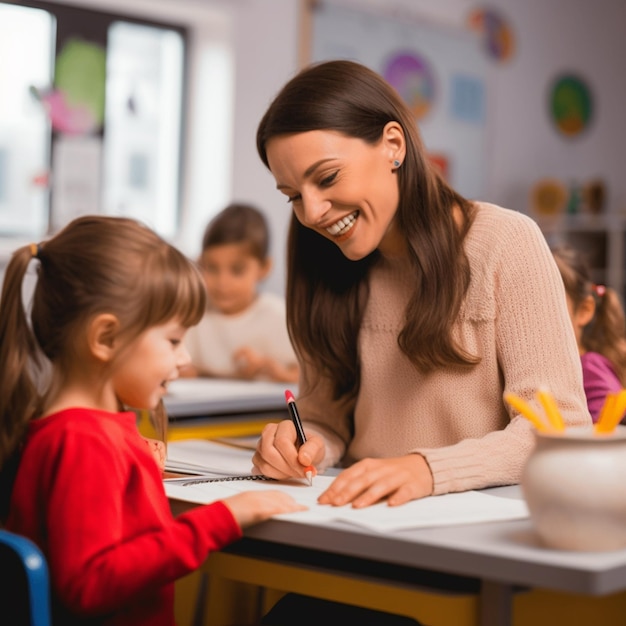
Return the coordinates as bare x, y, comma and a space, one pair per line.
601, 237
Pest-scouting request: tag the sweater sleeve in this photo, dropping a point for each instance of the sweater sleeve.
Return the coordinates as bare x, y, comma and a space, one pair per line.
111, 533
535, 347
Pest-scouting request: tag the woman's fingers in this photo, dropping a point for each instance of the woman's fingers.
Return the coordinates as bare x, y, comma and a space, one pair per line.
369, 481
278, 455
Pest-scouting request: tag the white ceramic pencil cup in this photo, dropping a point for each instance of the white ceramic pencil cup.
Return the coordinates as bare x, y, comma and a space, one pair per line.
574, 483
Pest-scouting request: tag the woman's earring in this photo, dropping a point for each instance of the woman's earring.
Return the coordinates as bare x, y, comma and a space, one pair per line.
396, 163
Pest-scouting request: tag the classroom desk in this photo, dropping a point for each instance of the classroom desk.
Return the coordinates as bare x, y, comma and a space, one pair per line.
501, 557
215, 427
212, 408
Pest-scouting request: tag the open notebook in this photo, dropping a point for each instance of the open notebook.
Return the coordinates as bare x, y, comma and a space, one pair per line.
226, 471
201, 456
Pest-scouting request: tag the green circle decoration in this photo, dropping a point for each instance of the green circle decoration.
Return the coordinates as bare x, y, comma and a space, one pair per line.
80, 74
571, 105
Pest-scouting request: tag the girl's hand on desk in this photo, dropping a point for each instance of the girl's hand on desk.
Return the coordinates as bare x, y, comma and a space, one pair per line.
400, 480
278, 456
252, 507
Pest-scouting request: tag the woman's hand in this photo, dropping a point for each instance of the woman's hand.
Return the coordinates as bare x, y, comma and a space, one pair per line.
399, 480
278, 456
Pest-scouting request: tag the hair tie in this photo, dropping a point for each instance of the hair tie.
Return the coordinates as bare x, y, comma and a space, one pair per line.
35, 249
599, 290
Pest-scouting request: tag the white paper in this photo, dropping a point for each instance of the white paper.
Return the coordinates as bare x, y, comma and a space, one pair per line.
445, 510
202, 456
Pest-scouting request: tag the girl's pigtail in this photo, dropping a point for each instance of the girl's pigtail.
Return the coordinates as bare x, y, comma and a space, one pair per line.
19, 357
606, 334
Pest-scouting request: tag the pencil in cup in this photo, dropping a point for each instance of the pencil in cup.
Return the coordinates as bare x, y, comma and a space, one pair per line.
297, 422
551, 409
611, 413
555, 421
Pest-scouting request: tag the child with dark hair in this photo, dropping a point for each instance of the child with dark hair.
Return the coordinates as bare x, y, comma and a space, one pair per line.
600, 326
243, 333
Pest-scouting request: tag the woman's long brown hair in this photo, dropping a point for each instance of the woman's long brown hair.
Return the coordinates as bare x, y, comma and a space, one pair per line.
326, 292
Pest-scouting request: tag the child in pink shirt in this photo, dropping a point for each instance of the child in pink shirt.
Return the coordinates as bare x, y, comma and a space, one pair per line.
599, 324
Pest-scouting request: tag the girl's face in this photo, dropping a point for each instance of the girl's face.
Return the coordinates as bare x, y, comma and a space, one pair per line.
342, 187
148, 364
231, 275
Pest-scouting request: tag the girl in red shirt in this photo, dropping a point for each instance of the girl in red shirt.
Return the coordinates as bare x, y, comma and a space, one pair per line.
111, 305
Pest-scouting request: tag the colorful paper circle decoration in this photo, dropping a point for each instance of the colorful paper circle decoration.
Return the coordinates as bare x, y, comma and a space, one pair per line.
413, 79
75, 105
497, 35
571, 105
548, 197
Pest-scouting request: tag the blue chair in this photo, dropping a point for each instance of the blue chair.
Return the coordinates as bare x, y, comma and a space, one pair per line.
25, 587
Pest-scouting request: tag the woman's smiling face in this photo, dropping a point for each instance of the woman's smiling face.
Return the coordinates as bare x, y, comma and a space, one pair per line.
342, 187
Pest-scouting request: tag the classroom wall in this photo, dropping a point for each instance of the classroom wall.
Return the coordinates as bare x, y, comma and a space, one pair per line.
263, 39
266, 48
551, 37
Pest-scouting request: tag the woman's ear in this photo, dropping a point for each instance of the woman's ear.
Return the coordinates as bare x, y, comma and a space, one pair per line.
394, 143
102, 334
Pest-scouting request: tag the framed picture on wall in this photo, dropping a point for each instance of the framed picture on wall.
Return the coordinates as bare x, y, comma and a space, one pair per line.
441, 72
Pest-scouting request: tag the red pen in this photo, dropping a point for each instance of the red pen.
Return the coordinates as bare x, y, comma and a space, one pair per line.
297, 422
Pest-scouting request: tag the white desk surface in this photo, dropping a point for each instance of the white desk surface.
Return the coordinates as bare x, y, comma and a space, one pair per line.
502, 555
505, 552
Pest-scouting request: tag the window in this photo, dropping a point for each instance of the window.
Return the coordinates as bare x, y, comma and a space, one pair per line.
24, 130
143, 124
93, 121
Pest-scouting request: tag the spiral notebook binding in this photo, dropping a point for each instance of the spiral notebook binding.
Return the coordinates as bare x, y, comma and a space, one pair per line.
223, 479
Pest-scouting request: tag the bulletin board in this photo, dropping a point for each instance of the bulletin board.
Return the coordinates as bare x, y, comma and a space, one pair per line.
441, 72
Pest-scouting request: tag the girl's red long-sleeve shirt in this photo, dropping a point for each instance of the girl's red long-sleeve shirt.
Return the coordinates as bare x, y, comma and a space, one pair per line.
89, 493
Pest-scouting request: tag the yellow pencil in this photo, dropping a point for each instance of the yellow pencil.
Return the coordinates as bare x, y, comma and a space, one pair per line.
551, 409
524, 409
605, 411
612, 412
619, 408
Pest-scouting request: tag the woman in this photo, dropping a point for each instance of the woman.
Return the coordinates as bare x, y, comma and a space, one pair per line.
412, 309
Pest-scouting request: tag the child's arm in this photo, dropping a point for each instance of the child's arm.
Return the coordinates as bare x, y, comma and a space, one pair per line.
250, 365
193, 371
282, 373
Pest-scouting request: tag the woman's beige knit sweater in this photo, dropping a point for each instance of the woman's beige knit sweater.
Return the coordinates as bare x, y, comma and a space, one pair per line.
514, 318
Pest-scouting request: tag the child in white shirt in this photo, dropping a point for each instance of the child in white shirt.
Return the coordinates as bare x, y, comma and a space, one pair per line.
243, 333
